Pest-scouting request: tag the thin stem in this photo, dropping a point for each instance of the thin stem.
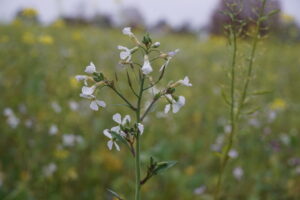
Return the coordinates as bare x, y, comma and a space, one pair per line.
149, 107
225, 156
137, 147
251, 60
122, 97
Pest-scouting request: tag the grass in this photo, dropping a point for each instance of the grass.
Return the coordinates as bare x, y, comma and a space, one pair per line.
37, 66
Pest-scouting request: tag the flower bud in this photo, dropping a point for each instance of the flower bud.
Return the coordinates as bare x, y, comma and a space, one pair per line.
156, 45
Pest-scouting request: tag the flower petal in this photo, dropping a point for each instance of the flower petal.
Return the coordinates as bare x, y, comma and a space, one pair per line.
107, 133
90, 68
141, 128
126, 119
94, 105
110, 144
117, 118
146, 66
167, 108
101, 103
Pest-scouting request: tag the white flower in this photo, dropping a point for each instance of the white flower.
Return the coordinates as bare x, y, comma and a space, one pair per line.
49, 169
8, 112
95, 104
127, 31
176, 105
233, 153
83, 78
169, 55
141, 128
90, 68
117, 118
111, 142
86, 91
173, 53
69, 139
53, 129
238, 173
73, 105
125, 53
146, 66
185, 82
56, 107
200, 190
156, 44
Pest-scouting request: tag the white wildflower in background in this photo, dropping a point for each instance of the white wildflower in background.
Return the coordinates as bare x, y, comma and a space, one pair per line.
185, 82
49, 169
90, 69
71, 139
28, 123
238, 173
200, 190
23, 108
127, 31
112, 141
74, 106
147, 69
83, 78
53, 129
233, 153
56, 107
12, 120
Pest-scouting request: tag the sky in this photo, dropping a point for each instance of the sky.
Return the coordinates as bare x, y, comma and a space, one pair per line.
176, 12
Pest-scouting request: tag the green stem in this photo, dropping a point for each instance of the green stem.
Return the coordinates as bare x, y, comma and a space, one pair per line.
122, 97
225, 156
137, 147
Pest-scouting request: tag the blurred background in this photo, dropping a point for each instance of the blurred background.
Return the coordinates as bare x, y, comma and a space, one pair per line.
52, 146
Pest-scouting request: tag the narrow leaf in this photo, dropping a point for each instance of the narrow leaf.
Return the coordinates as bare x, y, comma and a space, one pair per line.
114, 194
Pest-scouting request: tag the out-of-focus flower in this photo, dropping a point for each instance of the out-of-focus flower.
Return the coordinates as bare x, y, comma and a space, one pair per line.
83, 78
46, 39
200, 190
28, 123
59, 24
90, 69
168, 56
238, 173
233, 153
127, 31
49, 169
147, 69
156, 45
71, 139
53, 129
29, 12
56, 107
125, 53
176, 105
73, 105
185, 82
12, 120
112, 140
28, 38
278, 104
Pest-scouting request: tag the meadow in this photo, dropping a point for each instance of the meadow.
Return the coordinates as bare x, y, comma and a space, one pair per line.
52, 146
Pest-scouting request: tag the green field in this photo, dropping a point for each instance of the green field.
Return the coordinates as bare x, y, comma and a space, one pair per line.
37, 69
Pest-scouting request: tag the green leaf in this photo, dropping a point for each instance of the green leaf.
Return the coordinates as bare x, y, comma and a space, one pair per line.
162, 166
273, 12
120, 138
114, 194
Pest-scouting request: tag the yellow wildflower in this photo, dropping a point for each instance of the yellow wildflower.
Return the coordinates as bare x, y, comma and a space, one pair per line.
28, 38
46, 39
71, 174
76, 36
190, 170
58, 24
61, 153
29, 12
278, 104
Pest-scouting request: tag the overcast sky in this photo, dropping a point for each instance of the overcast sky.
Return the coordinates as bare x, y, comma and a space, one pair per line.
197, 12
